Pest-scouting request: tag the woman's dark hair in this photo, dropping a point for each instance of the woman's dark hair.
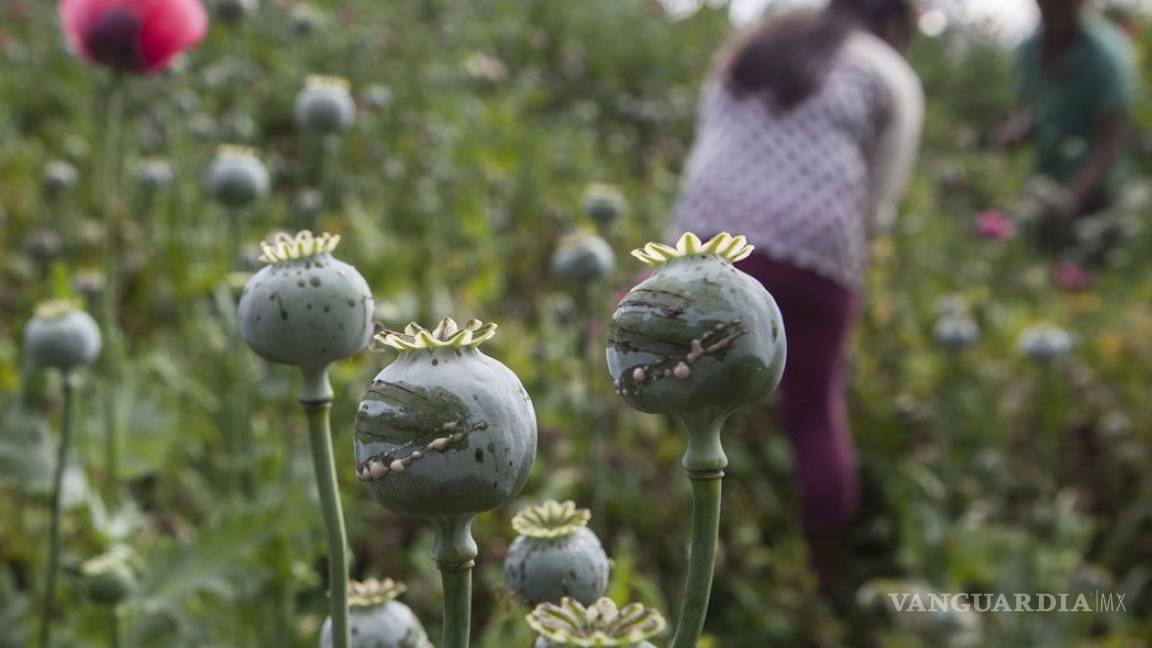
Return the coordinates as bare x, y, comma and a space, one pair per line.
786, 58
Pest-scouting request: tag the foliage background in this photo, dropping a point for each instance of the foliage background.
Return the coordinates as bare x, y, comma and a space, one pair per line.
501, 112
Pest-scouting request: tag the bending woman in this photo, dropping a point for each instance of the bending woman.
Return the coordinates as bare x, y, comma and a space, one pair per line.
807, 133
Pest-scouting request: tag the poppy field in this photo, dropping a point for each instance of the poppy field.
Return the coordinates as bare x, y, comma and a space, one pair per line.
197, 244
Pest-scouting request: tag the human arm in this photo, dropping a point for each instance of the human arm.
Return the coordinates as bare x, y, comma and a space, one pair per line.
894, 155
1017, 130
1110, 134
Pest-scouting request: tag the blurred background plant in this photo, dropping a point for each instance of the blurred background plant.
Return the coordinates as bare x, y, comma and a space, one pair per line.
480, 127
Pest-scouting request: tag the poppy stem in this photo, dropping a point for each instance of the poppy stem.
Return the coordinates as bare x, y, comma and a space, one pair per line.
239, 416
457, 607
114, 628
705, 462
455, 553
54, 528
598, 452
109, 163
701, 561
316, 399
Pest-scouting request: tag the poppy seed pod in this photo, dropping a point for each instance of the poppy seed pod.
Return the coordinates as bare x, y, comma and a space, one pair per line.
233, 11
377, 620
556, 556
325, 106
306, 19
951, 305
110, 578
43, 244
378, 97
572, 625
444, 431
956, 332
582, 258
1045, 343
59, 177
154, 174
1115, 425
308, 203
698, 336
604, 203
306, 308
61, 336
76, 148
940, 625
237, 177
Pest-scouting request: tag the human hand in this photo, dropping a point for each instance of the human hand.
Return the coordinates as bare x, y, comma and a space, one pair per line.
1059, 205
1014, 133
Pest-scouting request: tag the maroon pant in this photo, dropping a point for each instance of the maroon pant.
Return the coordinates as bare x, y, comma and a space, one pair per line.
818, 316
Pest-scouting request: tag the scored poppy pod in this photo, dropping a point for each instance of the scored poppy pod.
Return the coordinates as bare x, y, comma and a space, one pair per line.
140, 36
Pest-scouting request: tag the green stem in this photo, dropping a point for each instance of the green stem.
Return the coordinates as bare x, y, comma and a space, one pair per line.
701, 561
457, 607
54, 529
114, 628
455, 553
705, 462
109, 162
599, 450
329, 156
1048, 432
427, 274
144, 206
952, 432
240, 419
319, 432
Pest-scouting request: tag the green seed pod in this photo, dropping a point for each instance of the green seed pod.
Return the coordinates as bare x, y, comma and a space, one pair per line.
43, 245
1115, 426
59, 177
377, 620
325, 106
542, 642
556, 556
237, 177
76, 149
572, 625
306, 19
444, 431
306, 308
582, 258
604, 203
952, 306
110, 578
378, 97
233, 11
154, 174
946, 626
1045, 343
308, 204
956, 332
61, 336
698, 336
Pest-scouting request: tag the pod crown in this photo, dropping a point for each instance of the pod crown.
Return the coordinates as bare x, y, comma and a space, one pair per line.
600, 624
724, 245
447, 334
303, 245
551, 519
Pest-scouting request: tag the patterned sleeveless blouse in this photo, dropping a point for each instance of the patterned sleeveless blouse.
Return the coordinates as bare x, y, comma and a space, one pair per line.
799, 184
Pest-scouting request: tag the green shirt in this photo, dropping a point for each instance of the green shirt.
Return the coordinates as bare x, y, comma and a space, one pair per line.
1067, 100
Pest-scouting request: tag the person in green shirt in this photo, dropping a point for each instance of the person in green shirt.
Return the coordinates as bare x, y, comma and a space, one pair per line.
1076, 77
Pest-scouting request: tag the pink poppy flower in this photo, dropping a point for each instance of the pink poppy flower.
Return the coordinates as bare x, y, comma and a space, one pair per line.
140, 36
1071, 277
995, 226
